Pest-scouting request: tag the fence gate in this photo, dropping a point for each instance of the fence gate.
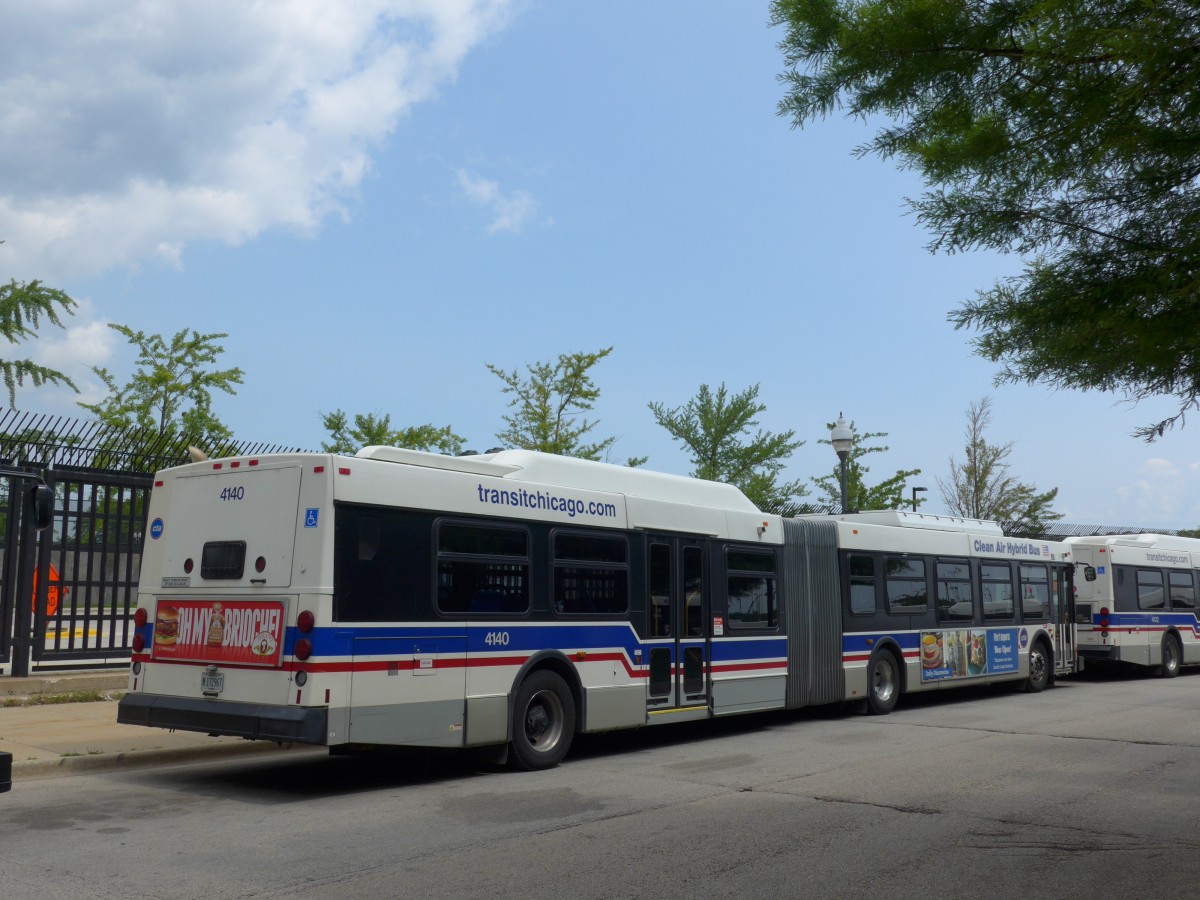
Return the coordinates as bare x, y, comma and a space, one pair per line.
67, 595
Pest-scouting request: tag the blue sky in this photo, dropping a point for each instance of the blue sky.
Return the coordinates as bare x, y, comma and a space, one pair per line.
375, 200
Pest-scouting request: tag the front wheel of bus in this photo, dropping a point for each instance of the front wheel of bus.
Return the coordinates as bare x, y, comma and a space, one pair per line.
543, 721
883, 684
1039, 668
1170, 657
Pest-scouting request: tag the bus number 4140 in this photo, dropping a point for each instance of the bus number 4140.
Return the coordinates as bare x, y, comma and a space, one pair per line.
496, 639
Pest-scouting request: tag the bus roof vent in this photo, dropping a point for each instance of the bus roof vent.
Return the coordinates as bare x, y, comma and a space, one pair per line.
922, 520
476, 465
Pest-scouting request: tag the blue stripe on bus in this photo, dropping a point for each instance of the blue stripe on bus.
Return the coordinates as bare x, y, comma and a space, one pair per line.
392, 640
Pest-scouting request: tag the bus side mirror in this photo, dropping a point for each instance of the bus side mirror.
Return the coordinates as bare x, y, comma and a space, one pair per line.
43, 506
1089, 573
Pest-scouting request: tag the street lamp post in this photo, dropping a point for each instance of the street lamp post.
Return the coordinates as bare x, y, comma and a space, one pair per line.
914, 490
842, 439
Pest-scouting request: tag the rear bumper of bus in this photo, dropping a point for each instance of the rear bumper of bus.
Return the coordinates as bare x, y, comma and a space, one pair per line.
1100, 654
257, 721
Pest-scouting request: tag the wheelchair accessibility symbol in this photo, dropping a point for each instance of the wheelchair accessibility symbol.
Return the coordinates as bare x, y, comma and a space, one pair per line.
310, 517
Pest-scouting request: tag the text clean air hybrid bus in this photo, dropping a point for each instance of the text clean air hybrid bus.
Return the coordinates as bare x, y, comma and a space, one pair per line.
515, 598
1137, 599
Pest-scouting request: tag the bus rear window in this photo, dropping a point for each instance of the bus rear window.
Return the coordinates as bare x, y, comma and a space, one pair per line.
223, 560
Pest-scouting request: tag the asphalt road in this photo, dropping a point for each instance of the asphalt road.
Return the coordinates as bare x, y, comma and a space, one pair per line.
1089, 789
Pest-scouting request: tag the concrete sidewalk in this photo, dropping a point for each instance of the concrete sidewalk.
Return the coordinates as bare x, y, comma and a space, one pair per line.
53, 739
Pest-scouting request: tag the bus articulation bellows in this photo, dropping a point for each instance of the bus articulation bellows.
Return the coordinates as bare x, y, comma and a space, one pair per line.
514, 599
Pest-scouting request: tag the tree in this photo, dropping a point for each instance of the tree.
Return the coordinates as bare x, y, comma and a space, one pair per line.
981, 487
171, 390
715, 429
22, 306
888, 494
369, 430
547, 404
1067, 131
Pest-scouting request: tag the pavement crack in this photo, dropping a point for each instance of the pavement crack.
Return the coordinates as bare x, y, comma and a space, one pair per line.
895, 807
1046, 734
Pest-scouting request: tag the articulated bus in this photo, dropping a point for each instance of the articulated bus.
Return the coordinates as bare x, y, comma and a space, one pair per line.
513, 599
1136, 599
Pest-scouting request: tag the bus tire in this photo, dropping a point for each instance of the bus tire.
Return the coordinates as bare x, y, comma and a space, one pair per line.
1170, 657
543, 721
883, 683
1039, 668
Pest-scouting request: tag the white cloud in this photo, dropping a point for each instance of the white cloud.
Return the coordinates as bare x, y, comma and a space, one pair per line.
83, 342
1160, 493
509, 212
129, 129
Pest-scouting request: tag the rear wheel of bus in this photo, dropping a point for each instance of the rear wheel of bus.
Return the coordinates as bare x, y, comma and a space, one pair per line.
1171, 657
543, 721
883, 683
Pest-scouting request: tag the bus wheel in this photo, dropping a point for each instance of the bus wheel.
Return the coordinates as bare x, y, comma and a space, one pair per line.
543, 721
1170, 657
883, 684
1039, 668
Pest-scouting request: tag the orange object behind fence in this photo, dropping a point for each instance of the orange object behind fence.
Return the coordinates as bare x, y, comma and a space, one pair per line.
51, 591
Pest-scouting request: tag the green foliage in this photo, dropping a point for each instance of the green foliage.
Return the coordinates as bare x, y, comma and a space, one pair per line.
371, 430
981, 486
715, 428
171, 390
22, 307
547, 403
888, 494
1067, 131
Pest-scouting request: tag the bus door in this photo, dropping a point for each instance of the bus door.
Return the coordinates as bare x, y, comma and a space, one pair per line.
678, 603
1062, 615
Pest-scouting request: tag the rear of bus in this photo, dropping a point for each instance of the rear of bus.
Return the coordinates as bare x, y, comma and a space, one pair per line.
237, 561
1094, 605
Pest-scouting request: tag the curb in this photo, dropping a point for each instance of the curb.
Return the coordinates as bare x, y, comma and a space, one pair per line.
37, 769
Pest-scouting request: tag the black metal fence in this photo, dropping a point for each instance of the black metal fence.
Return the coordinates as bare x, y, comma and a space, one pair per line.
67, 594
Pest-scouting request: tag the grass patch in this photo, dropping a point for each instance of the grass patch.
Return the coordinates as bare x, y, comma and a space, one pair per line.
70, 697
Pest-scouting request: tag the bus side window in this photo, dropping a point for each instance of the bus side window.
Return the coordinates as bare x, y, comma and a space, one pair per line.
591, 574
1035, 593
751, 580
482, 568
955, 599
1150, 592
862, 584
996, 581
1183, 591
907, 589
1124, 589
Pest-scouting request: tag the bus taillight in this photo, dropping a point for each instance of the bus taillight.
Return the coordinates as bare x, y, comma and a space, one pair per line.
140, 616
303, 649
139, 643
305, 621
1103, 623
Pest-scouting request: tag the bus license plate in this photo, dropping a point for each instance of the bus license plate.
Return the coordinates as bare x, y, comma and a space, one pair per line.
212, 683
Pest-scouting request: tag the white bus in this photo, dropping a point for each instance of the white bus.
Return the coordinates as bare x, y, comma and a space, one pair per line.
513, 599
1136, 599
